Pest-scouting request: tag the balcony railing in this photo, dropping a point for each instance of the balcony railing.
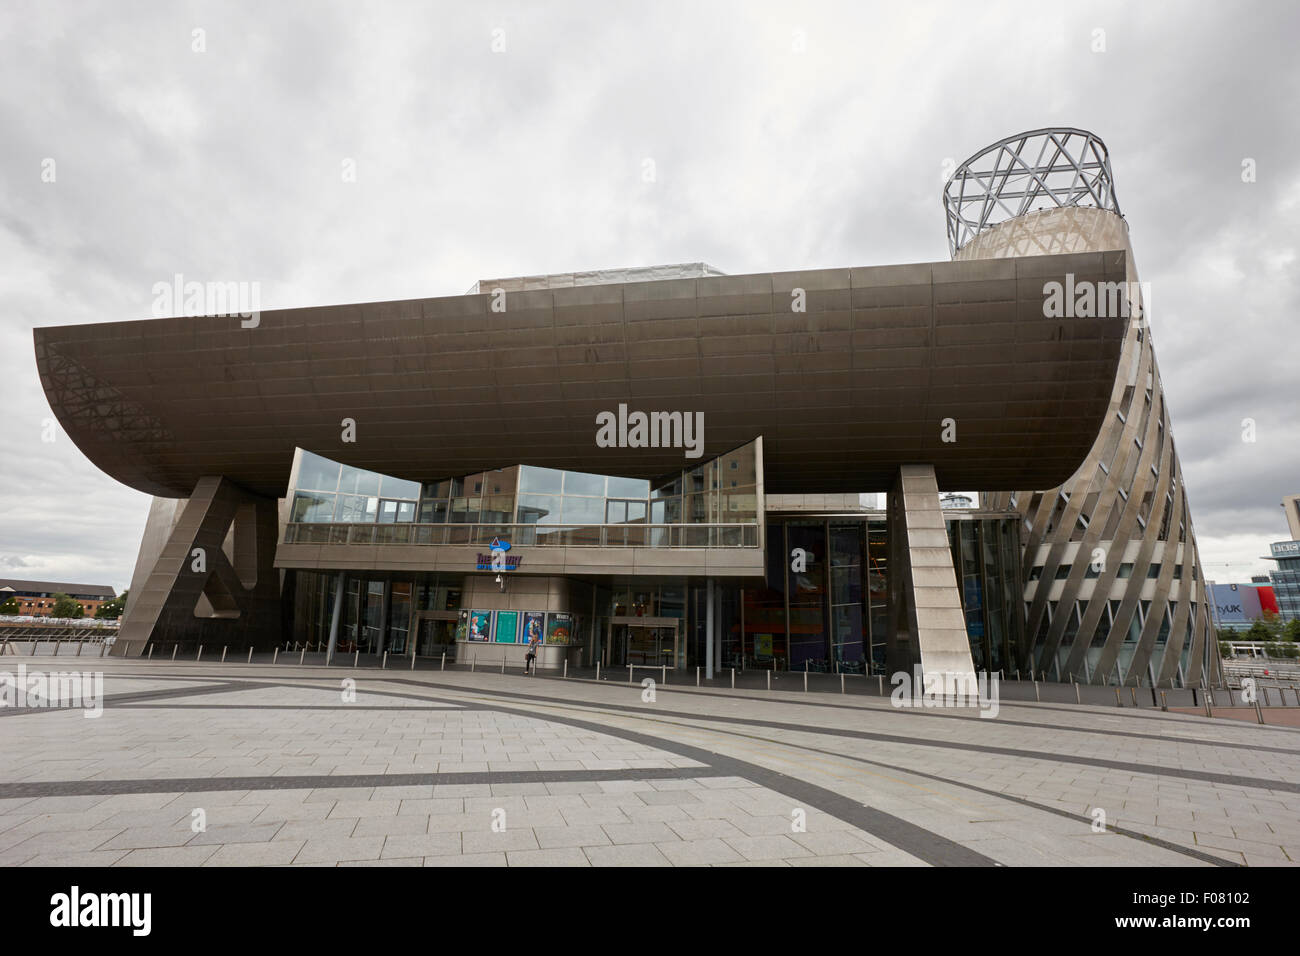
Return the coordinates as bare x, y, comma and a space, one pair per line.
530, 535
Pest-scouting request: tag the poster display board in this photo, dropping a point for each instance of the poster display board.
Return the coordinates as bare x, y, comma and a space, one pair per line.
534, 626
478, 625
559, 627
506, 630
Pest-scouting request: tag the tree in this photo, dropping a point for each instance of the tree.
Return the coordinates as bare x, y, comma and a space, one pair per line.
1291, 632
65, 606
10, 606
112, 610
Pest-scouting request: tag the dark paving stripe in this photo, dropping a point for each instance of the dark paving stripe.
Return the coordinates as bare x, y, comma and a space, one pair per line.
1087, 821
916, 841
94, 788
410, 709
115, 700
1097, 710
1263, 783
1206, 776
901, 712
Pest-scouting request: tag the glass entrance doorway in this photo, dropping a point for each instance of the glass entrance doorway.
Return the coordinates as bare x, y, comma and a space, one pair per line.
436, 634
644, 642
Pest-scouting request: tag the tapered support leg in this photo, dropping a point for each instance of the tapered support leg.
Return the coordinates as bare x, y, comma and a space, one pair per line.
927, 626
214, 581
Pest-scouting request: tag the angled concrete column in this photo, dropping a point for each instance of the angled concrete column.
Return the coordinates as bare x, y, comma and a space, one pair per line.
214, 581
927, 626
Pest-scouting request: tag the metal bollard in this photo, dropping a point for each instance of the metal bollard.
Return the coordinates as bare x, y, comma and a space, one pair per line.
697, 675
413, 659
224, 648
880, 684
80, 645
57, 645
250, 655
597, 670
733, 678
384, 666
769, 680
503, 662
566, 669
356, 658
1259, 711
805, 680
841, 682
199, 656
1036, 696
1118, 701
276, 656
443, 665
1134, 691
473, 662
302, 655
1076, 694
151, 650
665, 677
1164, 701
629, 673
175, 648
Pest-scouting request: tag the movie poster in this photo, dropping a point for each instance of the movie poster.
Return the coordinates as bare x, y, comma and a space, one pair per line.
559, 628
479, 625
534, 626
507, 627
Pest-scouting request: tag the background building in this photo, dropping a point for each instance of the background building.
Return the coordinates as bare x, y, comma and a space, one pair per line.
36, 598
1286, 578
1238, 606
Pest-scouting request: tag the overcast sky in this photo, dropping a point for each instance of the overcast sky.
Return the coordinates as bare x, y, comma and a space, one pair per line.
782, 136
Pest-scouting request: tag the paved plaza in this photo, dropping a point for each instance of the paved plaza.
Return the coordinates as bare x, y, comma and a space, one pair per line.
206, 764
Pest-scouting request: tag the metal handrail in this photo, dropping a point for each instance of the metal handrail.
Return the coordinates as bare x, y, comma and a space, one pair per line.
529, 535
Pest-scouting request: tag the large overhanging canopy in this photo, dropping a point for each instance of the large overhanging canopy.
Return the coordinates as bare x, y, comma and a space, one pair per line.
952, 364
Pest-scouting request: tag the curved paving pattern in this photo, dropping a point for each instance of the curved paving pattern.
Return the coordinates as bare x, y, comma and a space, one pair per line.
412, 771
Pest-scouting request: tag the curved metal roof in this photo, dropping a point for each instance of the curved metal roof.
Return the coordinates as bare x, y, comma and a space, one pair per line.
842, 393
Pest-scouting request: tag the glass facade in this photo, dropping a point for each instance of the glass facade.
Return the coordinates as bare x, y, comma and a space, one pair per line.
821, 603
536, 506
1286, 578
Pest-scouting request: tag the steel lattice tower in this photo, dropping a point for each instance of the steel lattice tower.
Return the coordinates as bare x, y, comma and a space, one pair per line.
1114, 589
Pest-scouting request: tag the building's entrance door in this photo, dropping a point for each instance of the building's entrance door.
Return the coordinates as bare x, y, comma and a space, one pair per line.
436, 634
644, 642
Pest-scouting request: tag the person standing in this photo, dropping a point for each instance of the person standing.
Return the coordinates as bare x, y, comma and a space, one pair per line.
530, 661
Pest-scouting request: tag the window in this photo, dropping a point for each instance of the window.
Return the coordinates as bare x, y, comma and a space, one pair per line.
312, 507
577, 483
543, 480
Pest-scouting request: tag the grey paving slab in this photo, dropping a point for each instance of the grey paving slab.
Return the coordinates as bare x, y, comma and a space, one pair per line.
431, 756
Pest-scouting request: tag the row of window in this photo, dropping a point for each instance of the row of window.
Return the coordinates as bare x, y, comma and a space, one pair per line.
1125, 571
